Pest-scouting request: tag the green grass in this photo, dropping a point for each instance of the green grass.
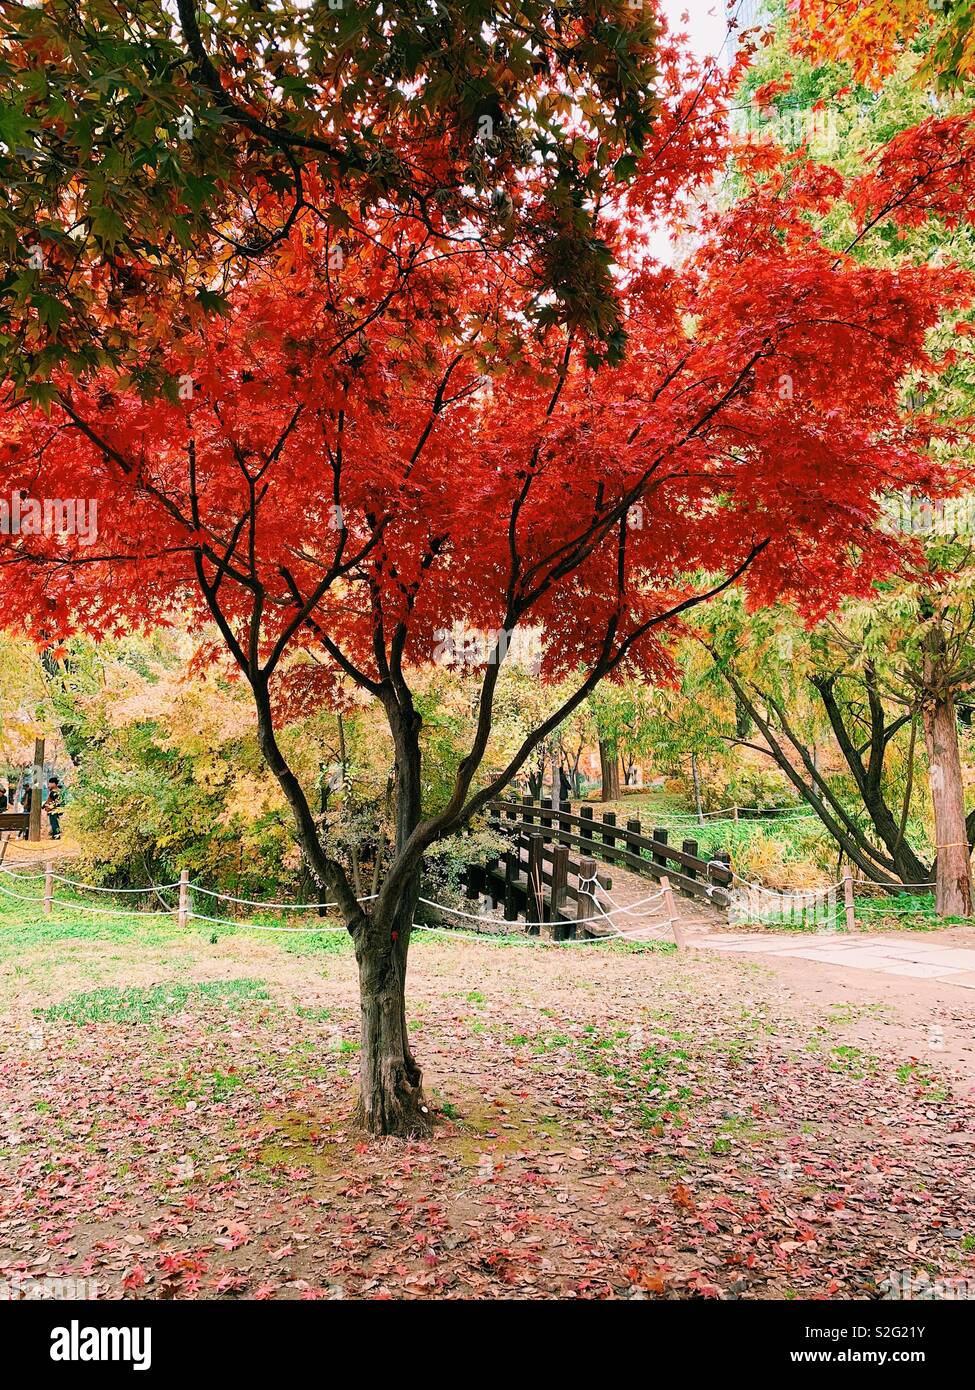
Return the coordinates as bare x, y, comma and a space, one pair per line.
905, 912
138, 1005
24, 927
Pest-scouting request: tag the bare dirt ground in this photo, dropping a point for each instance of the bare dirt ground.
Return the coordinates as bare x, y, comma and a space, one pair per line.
610, 1122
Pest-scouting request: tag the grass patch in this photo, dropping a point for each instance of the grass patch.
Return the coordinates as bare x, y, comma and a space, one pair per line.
135, 1005
905, 912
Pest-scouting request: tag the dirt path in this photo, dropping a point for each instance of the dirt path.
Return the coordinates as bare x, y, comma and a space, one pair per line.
910, 992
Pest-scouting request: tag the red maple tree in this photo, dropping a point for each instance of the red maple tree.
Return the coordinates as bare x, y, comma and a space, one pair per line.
351, 460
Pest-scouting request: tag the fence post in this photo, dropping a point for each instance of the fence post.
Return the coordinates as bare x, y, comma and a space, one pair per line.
586, 902
48, 888
689, 847
536, 885
585, 830
660, 835
560, 885
734, 811
183, 911
851, 920
633, 828
609, 832
545, 818
671, 906
527, 815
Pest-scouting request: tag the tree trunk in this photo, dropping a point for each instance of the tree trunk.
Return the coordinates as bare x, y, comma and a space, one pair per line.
695, 777
609, 767
953, 891
390, 1080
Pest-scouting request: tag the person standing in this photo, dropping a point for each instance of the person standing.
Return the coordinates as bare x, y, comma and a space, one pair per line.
54, 806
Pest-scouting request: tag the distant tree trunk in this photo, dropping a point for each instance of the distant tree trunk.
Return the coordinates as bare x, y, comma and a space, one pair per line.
535, 776
897, 860
609, 767
56, 681
953, 889
696, 779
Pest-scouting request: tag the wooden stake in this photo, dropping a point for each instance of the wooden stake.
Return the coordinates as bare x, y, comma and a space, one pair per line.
48, 888
671, 907
183, 912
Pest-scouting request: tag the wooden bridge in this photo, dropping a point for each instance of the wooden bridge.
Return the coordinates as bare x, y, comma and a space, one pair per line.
548, 876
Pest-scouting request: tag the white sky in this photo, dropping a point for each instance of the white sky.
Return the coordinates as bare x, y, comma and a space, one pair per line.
706, 28
707, 23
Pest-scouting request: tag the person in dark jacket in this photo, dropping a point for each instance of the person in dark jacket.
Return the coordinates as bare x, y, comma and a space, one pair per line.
54, 806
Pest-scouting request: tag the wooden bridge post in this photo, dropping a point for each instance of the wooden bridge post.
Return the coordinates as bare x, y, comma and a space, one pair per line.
545, 817
528, 813
491, 881
586, 902
585, 829
512, 898
660, 835
560, 888
536, 885
609, 832
722, 877
689, 847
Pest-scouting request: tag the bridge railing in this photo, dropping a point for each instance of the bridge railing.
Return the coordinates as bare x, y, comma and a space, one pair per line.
625, 845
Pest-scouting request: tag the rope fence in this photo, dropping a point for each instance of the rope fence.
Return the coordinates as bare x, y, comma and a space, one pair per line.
750, 902
185, 913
